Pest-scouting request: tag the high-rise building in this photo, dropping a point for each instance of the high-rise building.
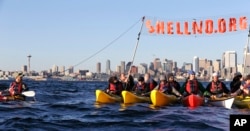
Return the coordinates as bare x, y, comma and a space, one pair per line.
229, 59
168, 65
54, 69
188, 66
216, 65
62, 70
98, 67
246, 57
108, 70
142, 68
157, 64
24, 68
128, 65
196, 64
202, 64
118, 69
122, 66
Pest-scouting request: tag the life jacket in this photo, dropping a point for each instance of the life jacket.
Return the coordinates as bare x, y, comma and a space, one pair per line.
116, 87
16, 88
152, 84
141, 87
192, 87
216, 87
165, 88
172, 84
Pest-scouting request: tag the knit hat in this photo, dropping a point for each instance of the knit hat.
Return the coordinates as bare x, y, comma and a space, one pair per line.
190, 72
215, 74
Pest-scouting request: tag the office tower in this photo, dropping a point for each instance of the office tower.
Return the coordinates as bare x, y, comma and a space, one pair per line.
108, 70
229, 59
142, 68
157, 64
128, 65
24, 68
122, 66
217, 65
196, 64
98, 67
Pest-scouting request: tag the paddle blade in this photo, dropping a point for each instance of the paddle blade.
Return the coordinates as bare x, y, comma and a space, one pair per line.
29, 93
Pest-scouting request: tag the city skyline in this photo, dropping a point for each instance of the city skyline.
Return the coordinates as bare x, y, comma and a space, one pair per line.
82, 33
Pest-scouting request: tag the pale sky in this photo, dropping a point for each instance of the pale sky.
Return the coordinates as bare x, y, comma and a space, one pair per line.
67, 32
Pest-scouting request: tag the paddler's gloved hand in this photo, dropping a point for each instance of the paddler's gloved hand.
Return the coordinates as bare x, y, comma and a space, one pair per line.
206, 94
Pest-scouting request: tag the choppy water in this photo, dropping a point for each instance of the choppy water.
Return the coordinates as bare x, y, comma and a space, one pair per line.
64, 105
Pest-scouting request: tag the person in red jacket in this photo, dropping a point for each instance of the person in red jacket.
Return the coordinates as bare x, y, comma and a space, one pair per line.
114, 86
150, 81
16, 88
192, 86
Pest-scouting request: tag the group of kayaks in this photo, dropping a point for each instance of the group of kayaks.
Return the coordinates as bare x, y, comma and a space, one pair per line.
158, 98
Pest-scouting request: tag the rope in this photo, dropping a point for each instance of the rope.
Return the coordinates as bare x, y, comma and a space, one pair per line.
112, 42
139, 34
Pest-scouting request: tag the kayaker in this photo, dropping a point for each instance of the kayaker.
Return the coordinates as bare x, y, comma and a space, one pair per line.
127, 82
141, 88
16, 88
216, 88
192, 86
236, 83
167, 88
244, 88
150, 81
114, 86
172, 82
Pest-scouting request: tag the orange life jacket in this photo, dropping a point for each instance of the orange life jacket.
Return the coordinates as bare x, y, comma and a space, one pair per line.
192, 87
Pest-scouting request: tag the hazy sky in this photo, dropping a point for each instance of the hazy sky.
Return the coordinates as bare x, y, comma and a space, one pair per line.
67, 32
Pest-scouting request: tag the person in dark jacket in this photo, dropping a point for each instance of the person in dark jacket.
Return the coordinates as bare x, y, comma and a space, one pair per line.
236, 83
141, 88
127, 82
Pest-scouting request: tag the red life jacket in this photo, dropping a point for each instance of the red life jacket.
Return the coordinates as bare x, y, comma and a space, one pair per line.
216, 87
152, 84
192, 87
116, 87
16, 88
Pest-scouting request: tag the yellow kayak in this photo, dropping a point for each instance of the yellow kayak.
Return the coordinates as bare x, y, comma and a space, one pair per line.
161, 99
241, 102
130, 98
103, 97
